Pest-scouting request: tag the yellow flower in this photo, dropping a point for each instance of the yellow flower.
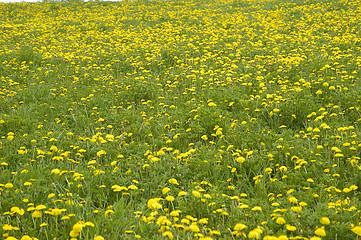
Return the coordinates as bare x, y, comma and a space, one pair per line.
268, 170
320, 232
154, 204
292, 200
108, 212
132, 187
101, 152
291, 228
7, 227
240, 159
51, 195
256, 208
280, 221
215, 233
165, 190
182, 193
10, 136
78, 227
163, 220
194, 228
10, 238
196, 194
40, 207
27, 183
175, 213
253, 234
240, 227
73, 234
55, 171
56, 211
36, 214
353, 187
173, 181
117, 188
9, 185
357, 230
170, 198
53, 148
168, 234
26, 237
325, 221
98, 237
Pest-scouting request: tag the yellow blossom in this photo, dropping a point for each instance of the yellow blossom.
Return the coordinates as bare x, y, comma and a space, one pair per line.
320, 232
325, 221
168, 234
357, 230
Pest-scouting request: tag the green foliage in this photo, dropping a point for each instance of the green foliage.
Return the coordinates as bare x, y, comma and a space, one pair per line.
180, 119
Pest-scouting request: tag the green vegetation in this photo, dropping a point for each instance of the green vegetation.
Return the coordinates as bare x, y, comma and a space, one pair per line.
222, 119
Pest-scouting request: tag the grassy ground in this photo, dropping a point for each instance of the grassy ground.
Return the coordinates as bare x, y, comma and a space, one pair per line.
180, 120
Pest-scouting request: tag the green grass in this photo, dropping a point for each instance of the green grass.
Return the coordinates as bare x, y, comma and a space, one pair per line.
180, 119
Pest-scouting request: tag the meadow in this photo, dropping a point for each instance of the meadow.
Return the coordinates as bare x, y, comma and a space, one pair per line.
190, 119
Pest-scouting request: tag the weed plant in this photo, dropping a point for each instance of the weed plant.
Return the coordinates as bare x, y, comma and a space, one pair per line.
190, 119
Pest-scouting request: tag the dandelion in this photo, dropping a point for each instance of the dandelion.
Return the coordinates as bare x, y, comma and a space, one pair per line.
320, 232
98, 237
108, 212
165, 190
215, 233
51, 195
36, 214
196, 194
7, 227
256, 208
10, 238
170, 198
291, 228
240, 159
168, 234
240, 227
27, 237
154, 204
175, 213
292, 200
78, 227
280, 221
132, 187
74, 234
268, 170
325, 221
253, 234
101, 153
182, 193
56, 211
357, 230
194, 228
173, 181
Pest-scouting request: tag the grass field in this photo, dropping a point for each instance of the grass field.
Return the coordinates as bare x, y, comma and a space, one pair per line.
222, 119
